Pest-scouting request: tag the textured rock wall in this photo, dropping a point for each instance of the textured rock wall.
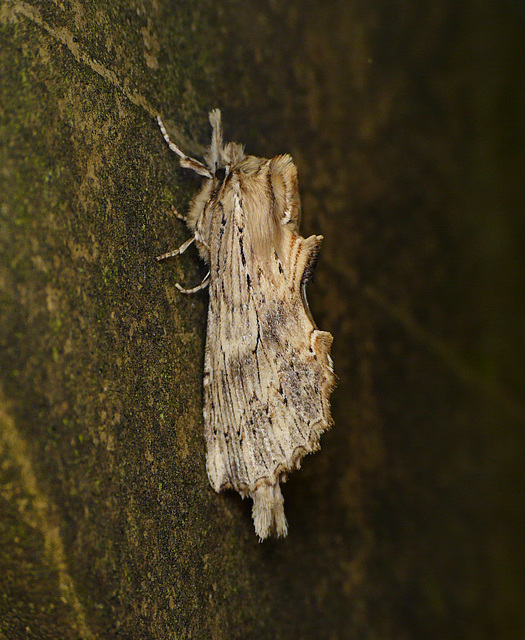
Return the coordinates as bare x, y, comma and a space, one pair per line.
405, 120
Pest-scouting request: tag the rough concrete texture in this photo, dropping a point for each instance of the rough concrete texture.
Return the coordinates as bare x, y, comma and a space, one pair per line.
406, 122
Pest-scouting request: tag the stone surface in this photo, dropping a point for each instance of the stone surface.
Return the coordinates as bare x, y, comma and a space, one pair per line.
406, 122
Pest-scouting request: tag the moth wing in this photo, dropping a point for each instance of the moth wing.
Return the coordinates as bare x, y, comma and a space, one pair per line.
268, 375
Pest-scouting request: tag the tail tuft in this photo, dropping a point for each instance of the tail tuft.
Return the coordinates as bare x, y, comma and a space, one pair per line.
268, 512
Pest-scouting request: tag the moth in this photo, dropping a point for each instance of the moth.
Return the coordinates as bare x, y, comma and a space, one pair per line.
268, 373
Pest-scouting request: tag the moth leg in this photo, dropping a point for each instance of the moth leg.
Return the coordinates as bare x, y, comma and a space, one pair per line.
185, 161
179, 215
202, 285
177, 252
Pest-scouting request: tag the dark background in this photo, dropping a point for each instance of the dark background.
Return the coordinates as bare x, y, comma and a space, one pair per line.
406, 120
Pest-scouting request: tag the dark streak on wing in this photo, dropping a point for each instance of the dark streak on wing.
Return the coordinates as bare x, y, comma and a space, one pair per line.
258, 335
310, 266
271, 194
241, 246
223, 219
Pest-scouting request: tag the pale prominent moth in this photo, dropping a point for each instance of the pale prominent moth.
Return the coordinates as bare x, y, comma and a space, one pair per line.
268, 372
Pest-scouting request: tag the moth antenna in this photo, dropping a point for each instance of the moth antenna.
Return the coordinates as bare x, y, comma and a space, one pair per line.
185, 161
214, 156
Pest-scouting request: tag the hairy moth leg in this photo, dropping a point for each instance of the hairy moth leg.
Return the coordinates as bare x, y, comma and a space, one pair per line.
178, 215
177, 252
201, 169
200, 286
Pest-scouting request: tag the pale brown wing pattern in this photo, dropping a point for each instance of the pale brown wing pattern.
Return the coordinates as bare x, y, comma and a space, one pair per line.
267, 373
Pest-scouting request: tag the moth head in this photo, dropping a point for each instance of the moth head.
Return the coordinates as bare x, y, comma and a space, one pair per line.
220, 175
232, 153
219, 155
225, 160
